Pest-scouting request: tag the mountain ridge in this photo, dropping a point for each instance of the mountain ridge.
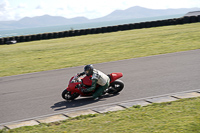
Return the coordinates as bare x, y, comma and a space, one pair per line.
129, 13
141, 12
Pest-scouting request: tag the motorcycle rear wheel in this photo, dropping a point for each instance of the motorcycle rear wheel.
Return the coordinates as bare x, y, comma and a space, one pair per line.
115, 87
68, 96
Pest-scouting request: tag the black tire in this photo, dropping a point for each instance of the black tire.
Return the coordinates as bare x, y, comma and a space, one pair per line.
115, 87
68, 96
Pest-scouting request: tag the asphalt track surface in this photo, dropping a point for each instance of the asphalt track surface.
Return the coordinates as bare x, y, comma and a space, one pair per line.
37, 94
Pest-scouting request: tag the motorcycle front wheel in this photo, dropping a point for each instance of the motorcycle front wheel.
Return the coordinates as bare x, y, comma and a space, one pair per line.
115, 87
68, 96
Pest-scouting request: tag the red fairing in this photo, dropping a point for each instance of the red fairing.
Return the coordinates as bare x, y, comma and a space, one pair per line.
115, 76
87, 80
73, 85
68, 89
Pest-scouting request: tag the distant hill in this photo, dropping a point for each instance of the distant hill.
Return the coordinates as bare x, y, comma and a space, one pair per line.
194, 13
41, 21
48, 20
130, 13
141, 12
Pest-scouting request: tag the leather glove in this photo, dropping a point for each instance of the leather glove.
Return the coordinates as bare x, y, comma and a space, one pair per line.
80, 74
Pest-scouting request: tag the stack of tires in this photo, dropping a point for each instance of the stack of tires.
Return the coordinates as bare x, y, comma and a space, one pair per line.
43, 36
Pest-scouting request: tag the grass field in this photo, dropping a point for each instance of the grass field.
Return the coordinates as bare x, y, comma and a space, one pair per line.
90, 49
182, 116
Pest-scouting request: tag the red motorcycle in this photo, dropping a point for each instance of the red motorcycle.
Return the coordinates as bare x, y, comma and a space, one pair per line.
76, 84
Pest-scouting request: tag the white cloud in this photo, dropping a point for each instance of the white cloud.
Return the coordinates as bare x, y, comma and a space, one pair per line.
164, 4
87, 8
39, 7
4, 5
22, 5
5, 11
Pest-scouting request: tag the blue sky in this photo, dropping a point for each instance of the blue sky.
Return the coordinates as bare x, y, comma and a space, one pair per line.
17, 9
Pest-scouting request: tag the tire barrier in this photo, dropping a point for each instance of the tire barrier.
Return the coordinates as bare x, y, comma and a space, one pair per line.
108, 29
186, 20
115, 28
93, 31
198, 18
82, 32
77, 32
98, 30
193, 19
44, 36
27, 38
66, 34
1, 41
55, 35
21, 39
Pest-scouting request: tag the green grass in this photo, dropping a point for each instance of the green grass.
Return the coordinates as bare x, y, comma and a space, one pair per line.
182, 116
89, 49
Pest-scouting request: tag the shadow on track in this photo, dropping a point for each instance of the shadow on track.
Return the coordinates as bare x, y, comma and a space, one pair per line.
77, 103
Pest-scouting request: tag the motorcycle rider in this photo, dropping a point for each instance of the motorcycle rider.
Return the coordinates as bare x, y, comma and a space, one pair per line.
99, 78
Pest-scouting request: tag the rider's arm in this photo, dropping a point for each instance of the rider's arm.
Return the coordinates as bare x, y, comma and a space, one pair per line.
81, 74
94, 82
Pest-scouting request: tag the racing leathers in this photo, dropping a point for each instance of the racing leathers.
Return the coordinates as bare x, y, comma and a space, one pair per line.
101, 79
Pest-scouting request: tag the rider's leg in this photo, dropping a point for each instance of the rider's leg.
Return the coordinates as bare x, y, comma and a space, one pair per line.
100, 90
